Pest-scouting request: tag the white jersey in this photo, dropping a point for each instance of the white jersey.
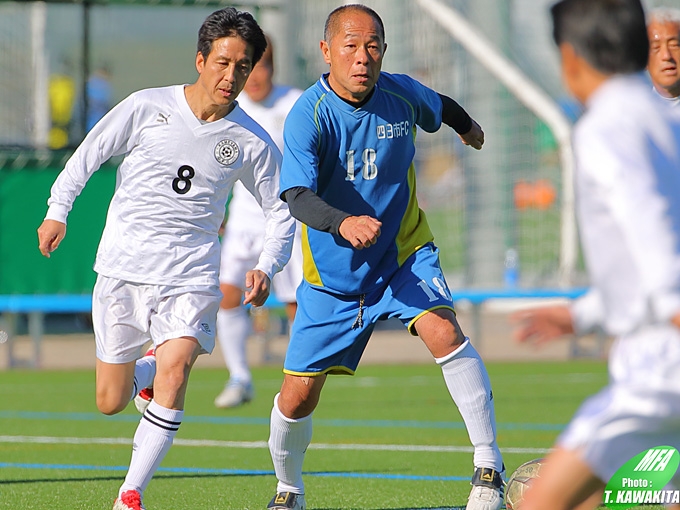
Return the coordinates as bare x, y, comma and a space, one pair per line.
671, 101
627, 148
172, 187
244, 211
628, 189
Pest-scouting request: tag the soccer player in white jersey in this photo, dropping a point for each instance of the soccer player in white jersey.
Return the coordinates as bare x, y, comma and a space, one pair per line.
627, 149
663, 28
158, 259
368, 253
268, 104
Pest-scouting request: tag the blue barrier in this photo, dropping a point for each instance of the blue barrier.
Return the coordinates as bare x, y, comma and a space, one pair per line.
57, 303
35, 306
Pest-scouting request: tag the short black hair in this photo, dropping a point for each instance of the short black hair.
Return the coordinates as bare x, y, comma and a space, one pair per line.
229, 22
611, 35
331, 25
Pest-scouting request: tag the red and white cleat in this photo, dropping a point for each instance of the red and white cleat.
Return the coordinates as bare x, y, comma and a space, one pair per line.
129, 500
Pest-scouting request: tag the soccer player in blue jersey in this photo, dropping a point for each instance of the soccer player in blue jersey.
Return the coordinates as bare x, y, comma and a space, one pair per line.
348, 176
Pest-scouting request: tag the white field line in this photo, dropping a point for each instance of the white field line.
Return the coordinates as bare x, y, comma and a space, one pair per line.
263, 444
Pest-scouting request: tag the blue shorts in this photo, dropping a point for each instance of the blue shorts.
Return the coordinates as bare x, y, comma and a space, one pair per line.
330, 331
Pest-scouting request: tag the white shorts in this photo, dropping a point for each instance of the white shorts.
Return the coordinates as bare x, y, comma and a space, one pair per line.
127, 315
638, 410
240, 252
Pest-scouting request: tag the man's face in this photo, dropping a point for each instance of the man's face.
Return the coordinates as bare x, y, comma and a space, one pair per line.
355, 54
260, 83
224, 73
664, 57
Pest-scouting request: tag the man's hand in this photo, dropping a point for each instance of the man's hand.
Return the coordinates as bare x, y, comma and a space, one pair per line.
540, 325
50, 234
475, 137
257, 288
360, 231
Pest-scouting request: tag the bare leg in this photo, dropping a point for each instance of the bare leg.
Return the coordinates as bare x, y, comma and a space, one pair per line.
174, 360
158, 427
467, 381
291, 429
113, 385
566, 483
300, 395
469, 386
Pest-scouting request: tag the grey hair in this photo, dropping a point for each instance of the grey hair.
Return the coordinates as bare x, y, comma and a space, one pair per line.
664, 15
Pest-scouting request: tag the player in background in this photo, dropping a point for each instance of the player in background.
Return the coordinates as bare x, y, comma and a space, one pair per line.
627, 150
663, 28
348, 176
158, 259
268, 104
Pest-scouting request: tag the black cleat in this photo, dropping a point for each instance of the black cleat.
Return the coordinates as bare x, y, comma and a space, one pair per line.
287, 501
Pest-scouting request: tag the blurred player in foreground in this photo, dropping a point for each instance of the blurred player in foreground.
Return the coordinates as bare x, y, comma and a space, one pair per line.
348, 176
268, 104
627, 148
663, 28
158, 259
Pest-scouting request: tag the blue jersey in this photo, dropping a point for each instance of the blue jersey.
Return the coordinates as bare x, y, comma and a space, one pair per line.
360, 160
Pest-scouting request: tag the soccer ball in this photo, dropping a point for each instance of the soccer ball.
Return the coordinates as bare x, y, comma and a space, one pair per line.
519, 482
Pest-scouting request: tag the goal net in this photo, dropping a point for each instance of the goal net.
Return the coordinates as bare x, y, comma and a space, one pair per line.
498, 214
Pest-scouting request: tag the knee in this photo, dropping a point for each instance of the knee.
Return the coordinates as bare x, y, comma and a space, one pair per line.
110, 403
296, 407
444, 340
296, 403
172, 379
450, 334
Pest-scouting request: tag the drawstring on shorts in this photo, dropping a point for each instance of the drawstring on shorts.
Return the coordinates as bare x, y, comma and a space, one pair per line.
359, 321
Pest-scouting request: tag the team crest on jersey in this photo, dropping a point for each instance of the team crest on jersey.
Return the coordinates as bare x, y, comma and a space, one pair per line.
227, 151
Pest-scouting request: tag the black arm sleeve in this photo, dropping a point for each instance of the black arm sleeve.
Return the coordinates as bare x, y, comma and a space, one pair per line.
455, 116
312, 210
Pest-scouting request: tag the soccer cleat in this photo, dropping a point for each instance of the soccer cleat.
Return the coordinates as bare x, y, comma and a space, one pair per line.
487, 491
129, 500
144, 397
234, 394
287, 501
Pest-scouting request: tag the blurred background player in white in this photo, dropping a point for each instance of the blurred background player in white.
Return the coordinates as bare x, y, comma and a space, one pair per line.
663, 28
627, 149
268, 104
158, 259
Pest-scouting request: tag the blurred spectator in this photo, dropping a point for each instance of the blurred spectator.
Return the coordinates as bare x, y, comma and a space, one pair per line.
61, 94
99, 95
663, 29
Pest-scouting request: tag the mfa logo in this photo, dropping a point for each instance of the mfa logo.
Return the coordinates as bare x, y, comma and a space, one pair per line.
643, 479
227, 151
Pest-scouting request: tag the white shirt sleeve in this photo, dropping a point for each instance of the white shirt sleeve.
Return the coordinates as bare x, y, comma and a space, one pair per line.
587, 312
109, 137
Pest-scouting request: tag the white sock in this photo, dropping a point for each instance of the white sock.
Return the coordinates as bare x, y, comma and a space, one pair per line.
288, 442
233, 328
152, 440
470, 388
145, 371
